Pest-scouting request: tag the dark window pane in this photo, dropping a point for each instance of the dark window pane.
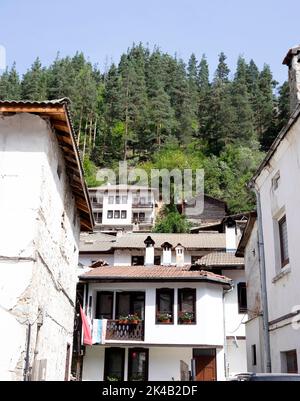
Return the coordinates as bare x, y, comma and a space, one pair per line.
186, 305
291, 362
164, 303
104, 306
242, 297
138, 365
283, 241
114, 364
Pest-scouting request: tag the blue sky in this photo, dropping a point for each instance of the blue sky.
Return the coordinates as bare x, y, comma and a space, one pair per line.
258, 29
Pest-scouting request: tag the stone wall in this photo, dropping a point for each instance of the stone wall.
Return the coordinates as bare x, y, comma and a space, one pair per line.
38, 250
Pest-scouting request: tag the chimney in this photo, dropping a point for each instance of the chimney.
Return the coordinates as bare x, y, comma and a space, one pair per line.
149, 254
167, 254
230, 235
179, 249
292, 60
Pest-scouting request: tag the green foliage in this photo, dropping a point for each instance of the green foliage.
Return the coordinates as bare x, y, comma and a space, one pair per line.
171, 221
157, 112
90, 172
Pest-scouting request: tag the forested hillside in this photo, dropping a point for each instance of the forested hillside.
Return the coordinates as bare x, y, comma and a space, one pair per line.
153, 110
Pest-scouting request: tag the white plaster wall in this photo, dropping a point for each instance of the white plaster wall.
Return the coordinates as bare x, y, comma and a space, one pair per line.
287, 195
234, 319
38, 212
122, 257
236, 356
121, 206
252, 274
209, 310
93, 364
164, 363
284, 339
283, 294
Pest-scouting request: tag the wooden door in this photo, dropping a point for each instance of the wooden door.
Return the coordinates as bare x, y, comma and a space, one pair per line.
205, 367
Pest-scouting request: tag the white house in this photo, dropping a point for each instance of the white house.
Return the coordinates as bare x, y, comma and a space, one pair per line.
278, 220
44, 204
123, 207
153, 274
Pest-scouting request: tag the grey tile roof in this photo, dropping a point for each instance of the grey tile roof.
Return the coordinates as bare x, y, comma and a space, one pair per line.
98, 242
220, 259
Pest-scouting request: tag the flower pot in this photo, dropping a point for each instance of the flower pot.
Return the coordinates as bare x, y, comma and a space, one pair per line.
165, 321
134, 321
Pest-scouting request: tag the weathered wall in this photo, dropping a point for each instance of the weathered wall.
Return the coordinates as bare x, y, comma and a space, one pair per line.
40, 225
282, 283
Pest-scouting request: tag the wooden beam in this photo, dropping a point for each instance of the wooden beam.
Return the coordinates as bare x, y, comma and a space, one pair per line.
10, 108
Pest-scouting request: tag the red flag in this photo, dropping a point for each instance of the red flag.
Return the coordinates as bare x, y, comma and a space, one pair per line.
87, 337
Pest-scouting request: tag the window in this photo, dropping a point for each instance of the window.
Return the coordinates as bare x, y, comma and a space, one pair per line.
117, 214
124, 199
289, 361
186, 305
130, 303
142, 200
157, 260
283, 241
110, 214
179, 251
138, 364
111, 200
104, 305
141, 216
242, 297
124, 214
117, 199
114, 363
98, 217
137, 260
164, 305
195, 258
253, 352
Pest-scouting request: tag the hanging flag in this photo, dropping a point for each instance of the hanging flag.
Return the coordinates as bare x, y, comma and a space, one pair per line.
87, 337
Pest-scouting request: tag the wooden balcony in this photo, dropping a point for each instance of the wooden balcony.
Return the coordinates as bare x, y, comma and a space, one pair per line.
124, 331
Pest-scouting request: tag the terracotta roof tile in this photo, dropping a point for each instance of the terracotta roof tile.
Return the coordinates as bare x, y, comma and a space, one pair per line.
152, 272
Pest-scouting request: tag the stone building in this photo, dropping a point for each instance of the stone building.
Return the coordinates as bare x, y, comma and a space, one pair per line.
44, 204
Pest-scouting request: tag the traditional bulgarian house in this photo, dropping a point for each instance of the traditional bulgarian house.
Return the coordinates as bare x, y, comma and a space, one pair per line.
271, 247
213, 211
123, 208
44, 204
162, 306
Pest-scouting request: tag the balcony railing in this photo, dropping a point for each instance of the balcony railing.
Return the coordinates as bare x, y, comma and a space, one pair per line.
97, 205
124, 331
142, 205
142, 221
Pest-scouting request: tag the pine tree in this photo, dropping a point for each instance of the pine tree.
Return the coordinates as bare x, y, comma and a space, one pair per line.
34, 83
160, 111
283, 105
221, 125
204, 96
244, 128
267, 129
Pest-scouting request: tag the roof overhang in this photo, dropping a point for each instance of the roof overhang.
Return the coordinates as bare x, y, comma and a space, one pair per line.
58, 114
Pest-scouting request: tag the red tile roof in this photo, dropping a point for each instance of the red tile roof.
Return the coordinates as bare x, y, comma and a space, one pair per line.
140, 273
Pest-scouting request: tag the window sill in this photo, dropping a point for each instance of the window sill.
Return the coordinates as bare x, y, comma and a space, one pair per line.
285, 270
